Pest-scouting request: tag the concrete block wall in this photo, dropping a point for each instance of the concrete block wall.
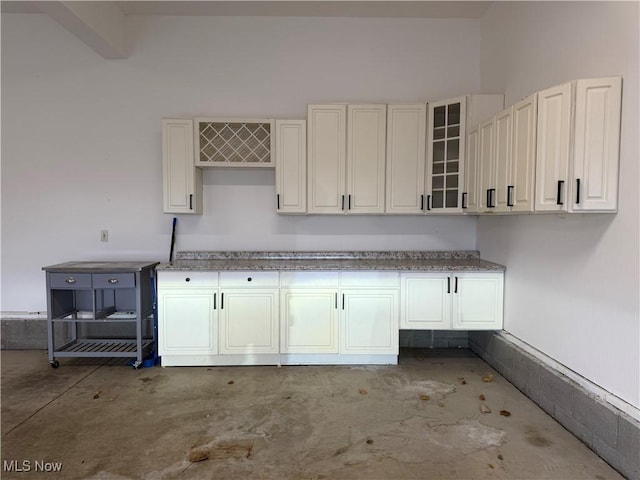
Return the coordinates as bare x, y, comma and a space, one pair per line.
434, 338
23, 334
608, 431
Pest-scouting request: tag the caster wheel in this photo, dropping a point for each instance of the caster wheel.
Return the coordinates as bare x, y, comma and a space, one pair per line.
54, 364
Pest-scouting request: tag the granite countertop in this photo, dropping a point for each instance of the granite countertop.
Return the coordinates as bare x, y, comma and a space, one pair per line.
430, 261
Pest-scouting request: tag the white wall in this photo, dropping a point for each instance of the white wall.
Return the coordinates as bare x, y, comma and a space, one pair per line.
81, 135
572, 283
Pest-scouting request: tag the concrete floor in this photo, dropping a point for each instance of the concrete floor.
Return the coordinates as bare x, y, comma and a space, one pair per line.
421, 419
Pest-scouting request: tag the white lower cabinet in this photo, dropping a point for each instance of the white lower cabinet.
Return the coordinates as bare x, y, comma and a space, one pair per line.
460, 301
309, 320
248, 321
187, 314
369, 322
302, 317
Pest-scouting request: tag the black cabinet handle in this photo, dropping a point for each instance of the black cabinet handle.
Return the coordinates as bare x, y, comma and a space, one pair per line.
421, 202
428, 202
463, 201
191, 202
222, 301
510, 196
343, 301
488, 197
214, 301
349, 202
448, 284
577, 190
187, 279
278, 201
455, 286
492, 196
342, 204
559, 194
336, 300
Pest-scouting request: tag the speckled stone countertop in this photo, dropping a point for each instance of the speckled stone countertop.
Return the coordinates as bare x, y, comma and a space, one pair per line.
430, 261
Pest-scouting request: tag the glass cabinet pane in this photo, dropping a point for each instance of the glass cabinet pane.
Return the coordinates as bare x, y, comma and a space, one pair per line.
439, 114
438, 151
451, 199
439, 133
437, 199
454, 114
438, 168
453, 147
438, 182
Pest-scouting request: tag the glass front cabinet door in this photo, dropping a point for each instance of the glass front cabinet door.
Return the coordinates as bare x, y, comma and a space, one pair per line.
445, 156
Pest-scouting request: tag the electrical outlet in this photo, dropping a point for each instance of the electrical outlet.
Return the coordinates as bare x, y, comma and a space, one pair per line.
104, 235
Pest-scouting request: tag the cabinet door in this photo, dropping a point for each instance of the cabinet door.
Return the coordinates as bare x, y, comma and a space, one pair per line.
597, 144
523, 155
425, 302
326, 153
486, 168
477, 301
470, 193
369, 322
187, 321
309, 320
406, 132
248, 321
182, 181
445, 151
291, 166
502, 178
366, 153
552, 148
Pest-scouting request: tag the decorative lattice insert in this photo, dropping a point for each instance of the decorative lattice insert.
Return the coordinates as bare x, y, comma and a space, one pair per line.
235, 142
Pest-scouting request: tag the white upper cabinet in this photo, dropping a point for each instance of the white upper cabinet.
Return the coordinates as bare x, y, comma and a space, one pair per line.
471, 168
501, 200
366, 141
406, 134
597, 145
487, 166
520, 190
578, 143
552, 148
346, 159
326, 157
182, 181
445, 147
291, 166
447, 125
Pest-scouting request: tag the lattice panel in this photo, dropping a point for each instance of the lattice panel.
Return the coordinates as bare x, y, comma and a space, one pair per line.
235, 143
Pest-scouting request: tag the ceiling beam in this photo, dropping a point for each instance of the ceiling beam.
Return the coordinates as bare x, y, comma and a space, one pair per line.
100, 25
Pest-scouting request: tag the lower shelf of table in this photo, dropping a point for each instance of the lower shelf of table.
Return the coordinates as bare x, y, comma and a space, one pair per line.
103, 348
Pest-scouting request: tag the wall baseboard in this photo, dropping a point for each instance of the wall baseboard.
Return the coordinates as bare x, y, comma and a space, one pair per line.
610, 432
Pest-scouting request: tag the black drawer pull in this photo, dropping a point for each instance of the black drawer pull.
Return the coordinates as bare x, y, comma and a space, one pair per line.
559, 194
510, 196
249, 279
187, 279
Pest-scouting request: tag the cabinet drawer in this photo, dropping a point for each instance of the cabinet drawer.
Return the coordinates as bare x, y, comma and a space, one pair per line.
249, 279
186, 278
309, 279
70, 280
370, 279
114, 280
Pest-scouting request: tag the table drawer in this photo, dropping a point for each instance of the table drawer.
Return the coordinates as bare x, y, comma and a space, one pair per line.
114, 280
70, 281
249, 279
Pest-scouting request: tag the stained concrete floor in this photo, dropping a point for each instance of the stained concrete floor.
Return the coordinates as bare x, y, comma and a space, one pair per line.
421, 419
